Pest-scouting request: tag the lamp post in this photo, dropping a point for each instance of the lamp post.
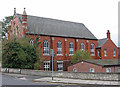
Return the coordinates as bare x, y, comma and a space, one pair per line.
52, 54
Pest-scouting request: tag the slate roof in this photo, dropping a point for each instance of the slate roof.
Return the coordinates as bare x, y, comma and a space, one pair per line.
53, 27
105, 62
101, 42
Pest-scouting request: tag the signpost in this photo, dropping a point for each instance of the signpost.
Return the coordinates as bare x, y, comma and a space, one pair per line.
52, 54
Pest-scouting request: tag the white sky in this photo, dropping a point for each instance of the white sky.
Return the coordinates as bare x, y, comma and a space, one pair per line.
98, 15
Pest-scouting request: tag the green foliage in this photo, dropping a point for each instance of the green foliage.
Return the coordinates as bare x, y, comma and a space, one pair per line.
19, 54
37, 66
80, 55
5, 24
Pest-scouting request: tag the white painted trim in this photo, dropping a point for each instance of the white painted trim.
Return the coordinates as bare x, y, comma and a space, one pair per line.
59, 54
46, 54
59, 61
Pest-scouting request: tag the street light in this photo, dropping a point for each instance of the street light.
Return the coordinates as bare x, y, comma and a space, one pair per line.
52, 54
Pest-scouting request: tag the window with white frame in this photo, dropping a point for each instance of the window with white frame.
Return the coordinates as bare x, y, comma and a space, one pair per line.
45, 47
108, 69
98, 53
74, 70
46, 66
118, 69
92, 51
60, 65
82, 46
91, 69
105, 52
59, 47
71, 48
31, 42
114, 53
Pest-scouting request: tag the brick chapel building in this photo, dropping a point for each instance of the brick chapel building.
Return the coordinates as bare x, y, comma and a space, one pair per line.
63, 37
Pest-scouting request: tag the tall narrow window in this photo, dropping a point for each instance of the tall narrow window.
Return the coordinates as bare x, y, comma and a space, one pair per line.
114, 53
59, 47
45, 47
31, 42
105, 52
98, 53
82, 46
71, 48
92, 50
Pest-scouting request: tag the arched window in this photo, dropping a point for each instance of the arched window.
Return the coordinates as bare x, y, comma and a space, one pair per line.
59, 47
71, 48
82, 46
92, 50
31, 42
45, 47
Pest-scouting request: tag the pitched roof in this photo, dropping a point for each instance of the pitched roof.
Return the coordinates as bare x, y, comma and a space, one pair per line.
101, 42
104, 62
53, 27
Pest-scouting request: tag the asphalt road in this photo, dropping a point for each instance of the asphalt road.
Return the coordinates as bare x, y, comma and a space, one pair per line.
17, 80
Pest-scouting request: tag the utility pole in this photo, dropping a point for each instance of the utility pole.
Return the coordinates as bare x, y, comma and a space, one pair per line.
52, 54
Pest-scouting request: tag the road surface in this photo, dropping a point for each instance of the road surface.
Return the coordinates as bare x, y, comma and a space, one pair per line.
18, 80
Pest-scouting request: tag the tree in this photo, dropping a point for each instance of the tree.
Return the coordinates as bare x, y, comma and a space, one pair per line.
18, 53
5, 24
80, 55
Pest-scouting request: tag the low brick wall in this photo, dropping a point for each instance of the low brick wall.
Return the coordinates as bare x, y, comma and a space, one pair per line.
65, 74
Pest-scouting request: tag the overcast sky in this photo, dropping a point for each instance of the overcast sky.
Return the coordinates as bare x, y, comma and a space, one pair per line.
97, 15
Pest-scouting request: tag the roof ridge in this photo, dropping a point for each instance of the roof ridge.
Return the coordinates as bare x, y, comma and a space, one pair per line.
49, 26
54, 19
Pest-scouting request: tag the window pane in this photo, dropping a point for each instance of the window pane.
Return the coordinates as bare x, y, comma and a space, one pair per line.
108, 70
45, 47
46, 66
91, 69
92, 50
105, 52
71, 48
74, 70
82, 46
118, 69
114, 53
59, 48
60, 66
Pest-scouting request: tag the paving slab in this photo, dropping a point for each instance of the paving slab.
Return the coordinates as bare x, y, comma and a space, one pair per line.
77, 81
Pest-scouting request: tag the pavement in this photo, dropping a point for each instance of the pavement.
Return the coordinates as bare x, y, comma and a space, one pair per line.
76, 81
63, 80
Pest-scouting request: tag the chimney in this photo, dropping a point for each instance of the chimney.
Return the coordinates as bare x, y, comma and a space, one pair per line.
108, 34
24, 22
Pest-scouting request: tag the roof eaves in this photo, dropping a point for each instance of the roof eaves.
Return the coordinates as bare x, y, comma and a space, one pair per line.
32, 33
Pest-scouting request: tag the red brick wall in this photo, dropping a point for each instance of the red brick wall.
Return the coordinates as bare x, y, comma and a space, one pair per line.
109, 46
119, 53
16, 21
85, 67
